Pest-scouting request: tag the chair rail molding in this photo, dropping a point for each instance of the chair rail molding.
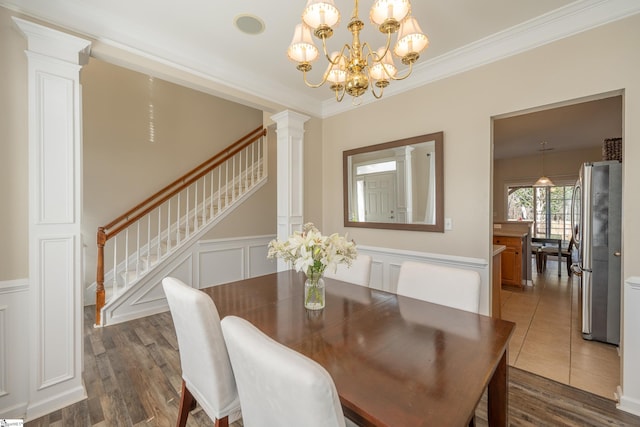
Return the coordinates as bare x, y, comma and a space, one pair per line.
54, 60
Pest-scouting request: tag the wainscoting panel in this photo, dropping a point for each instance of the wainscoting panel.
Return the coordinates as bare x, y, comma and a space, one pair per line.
57, 321
147, 297
629, 393
14, 348
227, 260
258, 264
220, 266
206, 263
386, 264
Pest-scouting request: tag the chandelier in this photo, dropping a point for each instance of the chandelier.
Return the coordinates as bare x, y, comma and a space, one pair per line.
356, 67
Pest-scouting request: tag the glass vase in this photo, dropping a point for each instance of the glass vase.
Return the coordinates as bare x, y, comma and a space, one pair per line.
314, 291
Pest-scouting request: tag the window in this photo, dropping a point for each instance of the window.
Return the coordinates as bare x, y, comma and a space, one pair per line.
548, 207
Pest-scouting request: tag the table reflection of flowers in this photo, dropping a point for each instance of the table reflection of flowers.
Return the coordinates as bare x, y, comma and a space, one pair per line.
311, 252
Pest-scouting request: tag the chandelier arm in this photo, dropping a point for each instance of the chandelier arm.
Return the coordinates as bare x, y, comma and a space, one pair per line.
373, 53
374, 92
401, 77
314, 85
345, 47
341, 97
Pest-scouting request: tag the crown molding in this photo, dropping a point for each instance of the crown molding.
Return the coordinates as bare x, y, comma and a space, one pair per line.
569, 20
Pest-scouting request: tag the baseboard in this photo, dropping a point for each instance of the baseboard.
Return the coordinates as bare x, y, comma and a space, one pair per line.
627, 404
16, 412
46, 406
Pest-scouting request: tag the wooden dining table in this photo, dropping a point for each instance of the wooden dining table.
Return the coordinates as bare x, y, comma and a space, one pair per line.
396, 361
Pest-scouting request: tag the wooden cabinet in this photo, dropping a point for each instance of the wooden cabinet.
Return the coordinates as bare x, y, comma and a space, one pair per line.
511, 259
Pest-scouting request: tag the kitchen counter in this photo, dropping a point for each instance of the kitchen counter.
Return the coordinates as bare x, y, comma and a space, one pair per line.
497, 249
509, 233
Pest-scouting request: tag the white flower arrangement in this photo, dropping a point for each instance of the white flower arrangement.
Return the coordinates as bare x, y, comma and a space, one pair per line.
311, 252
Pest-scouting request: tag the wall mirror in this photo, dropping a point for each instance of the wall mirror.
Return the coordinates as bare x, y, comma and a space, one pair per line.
396, 185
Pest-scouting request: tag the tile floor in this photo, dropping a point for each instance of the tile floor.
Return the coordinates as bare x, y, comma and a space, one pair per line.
547, 340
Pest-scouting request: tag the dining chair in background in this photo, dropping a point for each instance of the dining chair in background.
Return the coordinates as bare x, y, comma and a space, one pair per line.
358, 273
566, 253
207, 377
450, 286
277, 385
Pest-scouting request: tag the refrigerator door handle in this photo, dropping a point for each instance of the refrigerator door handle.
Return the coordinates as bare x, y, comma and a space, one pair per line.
574, 232
586, 304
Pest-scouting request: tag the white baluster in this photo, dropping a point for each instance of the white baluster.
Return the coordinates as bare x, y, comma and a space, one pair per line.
178, 234
186, 220
148, 240
246, 168
233, 174
126, 257
264, 155
195, 208
226, 183
211, 213
204, 200
115, 264
169, 226
137, 257
219, 187
158, 254
253, 165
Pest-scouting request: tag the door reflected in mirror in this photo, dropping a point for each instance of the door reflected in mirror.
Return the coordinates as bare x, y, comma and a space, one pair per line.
396, 185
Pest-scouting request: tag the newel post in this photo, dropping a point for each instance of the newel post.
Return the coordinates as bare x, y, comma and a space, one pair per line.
101, 239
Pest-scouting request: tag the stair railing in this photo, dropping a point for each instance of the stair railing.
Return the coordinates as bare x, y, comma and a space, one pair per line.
154, 228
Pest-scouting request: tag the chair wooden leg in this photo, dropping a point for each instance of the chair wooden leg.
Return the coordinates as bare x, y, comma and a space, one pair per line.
187, 403
222, 422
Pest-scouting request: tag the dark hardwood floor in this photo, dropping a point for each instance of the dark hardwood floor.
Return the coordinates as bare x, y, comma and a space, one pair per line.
132, 376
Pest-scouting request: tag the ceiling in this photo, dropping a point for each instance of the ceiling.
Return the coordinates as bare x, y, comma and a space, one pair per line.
579, 125
199, 36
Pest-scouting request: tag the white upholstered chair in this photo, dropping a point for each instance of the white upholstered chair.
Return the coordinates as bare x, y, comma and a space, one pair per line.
207, 377
359, 272
277, 385
450, 286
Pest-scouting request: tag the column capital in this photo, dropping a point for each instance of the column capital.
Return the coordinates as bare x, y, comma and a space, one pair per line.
54, 44
290, 119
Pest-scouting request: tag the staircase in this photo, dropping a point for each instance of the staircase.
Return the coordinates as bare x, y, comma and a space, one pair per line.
137, 243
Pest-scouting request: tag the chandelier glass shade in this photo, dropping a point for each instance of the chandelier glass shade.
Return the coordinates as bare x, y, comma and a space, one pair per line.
357, 67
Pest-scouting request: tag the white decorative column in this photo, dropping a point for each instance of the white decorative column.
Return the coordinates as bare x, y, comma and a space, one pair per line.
629, 393
55, 207
290, 131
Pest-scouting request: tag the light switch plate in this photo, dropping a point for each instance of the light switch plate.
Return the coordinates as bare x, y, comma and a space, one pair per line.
448, 224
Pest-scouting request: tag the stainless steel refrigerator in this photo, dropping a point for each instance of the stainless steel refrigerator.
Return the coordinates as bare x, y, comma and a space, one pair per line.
597, 217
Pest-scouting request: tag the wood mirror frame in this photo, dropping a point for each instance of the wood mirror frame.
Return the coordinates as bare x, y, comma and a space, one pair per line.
398, 150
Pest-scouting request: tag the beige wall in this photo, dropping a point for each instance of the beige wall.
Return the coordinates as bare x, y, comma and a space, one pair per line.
13, 152
561, 167
598, 61
122, 166
314, 172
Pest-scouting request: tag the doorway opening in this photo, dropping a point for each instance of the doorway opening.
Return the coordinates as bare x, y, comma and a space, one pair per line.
548, 339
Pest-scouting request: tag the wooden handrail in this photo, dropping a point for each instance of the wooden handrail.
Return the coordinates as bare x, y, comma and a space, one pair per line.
141, 209
241, 143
